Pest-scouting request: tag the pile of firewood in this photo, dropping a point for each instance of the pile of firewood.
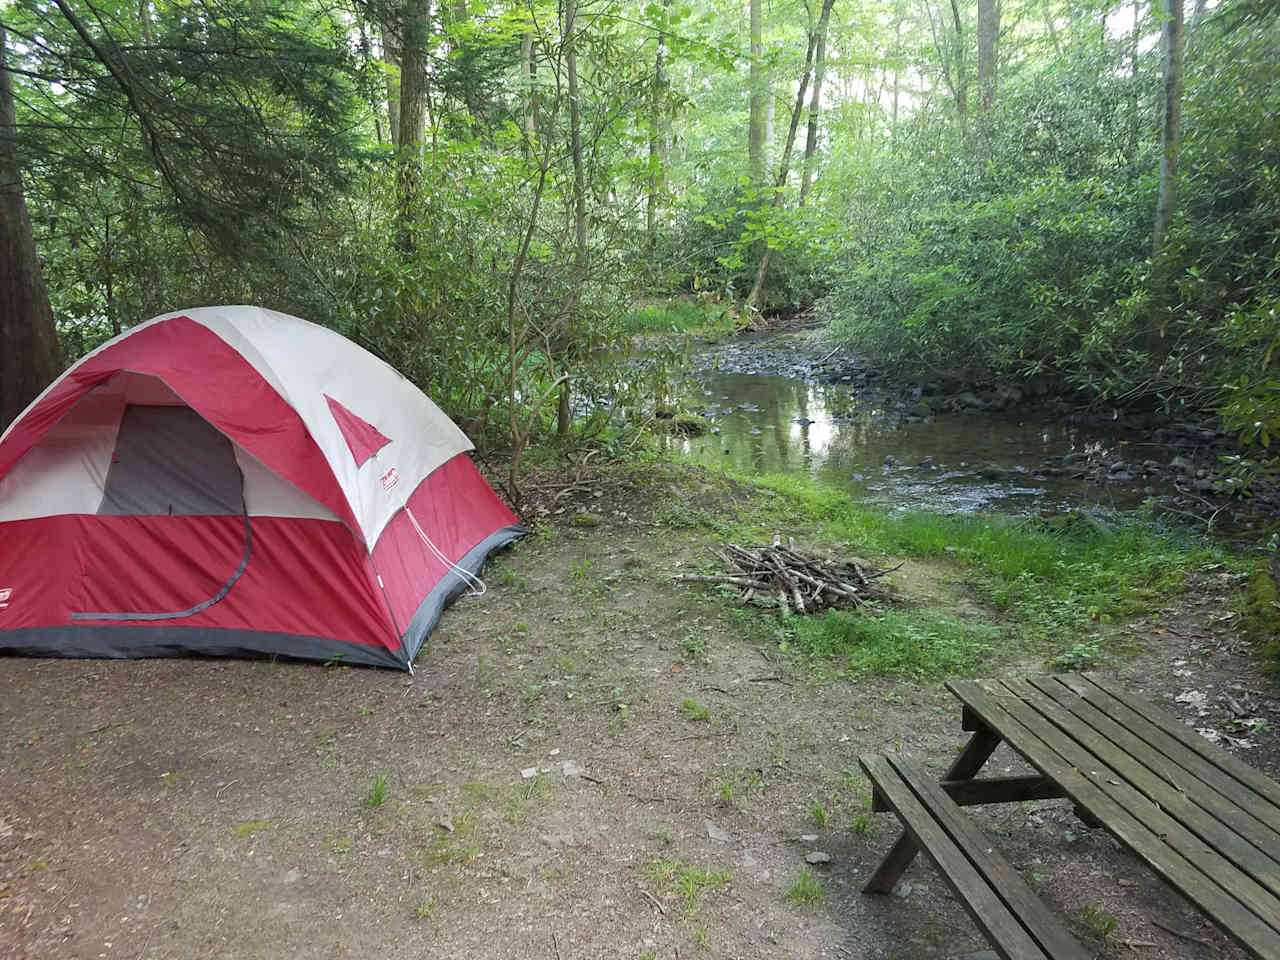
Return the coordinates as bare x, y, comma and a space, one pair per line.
798, 581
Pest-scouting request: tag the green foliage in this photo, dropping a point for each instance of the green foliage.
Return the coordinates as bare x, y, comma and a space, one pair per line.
1261, 614
377, 794
688, 881
806, 889
1025, 254
678, 316
902, 644
1049, 582
693, 710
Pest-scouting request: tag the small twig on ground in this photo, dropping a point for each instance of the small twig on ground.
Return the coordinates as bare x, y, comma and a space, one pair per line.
654, 900
1178, 933
555, 943
770, 679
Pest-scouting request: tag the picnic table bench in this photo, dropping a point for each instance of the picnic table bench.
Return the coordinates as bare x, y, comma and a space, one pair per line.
1204, 821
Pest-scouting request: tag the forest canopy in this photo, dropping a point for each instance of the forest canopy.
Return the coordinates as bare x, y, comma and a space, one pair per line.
1079, 194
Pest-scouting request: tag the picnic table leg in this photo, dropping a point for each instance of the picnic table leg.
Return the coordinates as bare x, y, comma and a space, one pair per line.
891, 867
976, 752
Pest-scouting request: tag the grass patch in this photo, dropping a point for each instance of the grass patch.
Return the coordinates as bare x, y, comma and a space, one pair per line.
250, 827
687, 881
904, 643
377, 794
1261, 613
1049, 580
693, 710
806, 888
677, 316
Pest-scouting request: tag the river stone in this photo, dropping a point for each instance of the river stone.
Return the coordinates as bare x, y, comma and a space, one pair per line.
816, 857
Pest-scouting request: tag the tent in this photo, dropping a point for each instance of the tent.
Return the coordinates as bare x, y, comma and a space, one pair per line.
236, 481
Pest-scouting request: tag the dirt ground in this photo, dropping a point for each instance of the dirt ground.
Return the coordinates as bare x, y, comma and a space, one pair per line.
590, 761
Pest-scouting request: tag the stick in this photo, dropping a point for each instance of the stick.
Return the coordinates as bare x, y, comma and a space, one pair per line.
1179, 933
831, 354
654, 900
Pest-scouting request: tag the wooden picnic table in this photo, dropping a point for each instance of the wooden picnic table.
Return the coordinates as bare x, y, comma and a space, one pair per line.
1201, 819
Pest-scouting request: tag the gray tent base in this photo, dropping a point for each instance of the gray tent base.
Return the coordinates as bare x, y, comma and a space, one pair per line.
138, 641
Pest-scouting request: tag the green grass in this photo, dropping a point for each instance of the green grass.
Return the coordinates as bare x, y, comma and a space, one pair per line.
677, 316
377, 794
902, 643
693, 710
818, 814
250, 827
687, 881
1048, 581
806, 888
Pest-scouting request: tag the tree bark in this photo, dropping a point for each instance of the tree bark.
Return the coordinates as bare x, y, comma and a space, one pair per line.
529, 70
962, 64
815, 103
657, 138
784, 165
29, 357
391, 56
564, 417
756, 88
988, 38
413, 114
1171, 36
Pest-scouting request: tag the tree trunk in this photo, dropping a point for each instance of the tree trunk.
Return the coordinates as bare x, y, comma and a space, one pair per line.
1134, 105
529, 70
391, 56
757, 288
962, 64
29, 358
657, 138
815, 102
756, 88
988, 38
563, 419
1171, 36
413, 113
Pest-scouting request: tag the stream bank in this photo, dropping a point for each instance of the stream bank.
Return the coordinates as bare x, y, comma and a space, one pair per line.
788, 403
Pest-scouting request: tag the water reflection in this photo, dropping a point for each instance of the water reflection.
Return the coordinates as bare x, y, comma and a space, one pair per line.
955, 462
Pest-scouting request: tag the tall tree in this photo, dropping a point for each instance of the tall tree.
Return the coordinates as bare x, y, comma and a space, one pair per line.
1171, 46
988, 38
564, 413
757, 91
756, 295
815, 103
30, 358
657, 135
961, 59
415, 33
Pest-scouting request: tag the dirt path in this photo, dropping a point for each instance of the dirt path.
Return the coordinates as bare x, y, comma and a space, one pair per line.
589, 762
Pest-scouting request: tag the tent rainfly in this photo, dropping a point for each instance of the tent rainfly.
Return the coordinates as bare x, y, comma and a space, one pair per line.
235, 481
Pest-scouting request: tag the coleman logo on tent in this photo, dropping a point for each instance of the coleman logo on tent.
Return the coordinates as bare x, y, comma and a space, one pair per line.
5, 594
390, 479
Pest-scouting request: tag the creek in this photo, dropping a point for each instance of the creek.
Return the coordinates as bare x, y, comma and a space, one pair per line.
775, 405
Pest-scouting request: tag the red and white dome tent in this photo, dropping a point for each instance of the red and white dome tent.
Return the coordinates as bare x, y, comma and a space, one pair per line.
232, 480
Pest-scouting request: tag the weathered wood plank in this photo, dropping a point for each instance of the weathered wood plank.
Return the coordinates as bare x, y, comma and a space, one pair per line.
1179, 871
983, 790
1045, 928
1010, 939
1183, 745
1214, 796
1202, 828
975, 753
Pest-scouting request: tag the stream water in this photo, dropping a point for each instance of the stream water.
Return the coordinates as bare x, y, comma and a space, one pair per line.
773, 408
